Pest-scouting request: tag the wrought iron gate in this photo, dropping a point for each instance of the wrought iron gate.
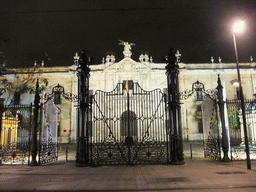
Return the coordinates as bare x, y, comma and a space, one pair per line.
208, 111
48, 151
128, 126
211, 129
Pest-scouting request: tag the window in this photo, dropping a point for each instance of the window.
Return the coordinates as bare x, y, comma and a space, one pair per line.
199, 119
57, 97
57, 91
128, 84
200, 126
198, 113
16, 100
58, 126
199, 95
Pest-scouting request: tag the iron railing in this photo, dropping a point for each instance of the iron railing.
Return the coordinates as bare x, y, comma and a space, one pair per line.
15, 134
237, 145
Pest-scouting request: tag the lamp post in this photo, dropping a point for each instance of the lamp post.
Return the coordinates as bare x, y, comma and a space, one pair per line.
238, 28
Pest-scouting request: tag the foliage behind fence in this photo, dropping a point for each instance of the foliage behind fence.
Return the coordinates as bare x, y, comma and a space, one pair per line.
237, 146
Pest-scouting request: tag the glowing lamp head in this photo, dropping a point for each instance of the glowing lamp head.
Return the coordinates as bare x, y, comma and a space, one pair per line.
238, 27
235, 83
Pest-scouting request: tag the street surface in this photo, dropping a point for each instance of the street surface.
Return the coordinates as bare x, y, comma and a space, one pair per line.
198, 174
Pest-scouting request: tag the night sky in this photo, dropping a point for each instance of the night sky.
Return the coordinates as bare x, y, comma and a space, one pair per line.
53, 30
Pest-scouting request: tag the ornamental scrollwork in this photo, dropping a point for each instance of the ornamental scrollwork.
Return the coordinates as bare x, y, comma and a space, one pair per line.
70, 97
211, 93
198, 86
186, 94
58, 90
61, 91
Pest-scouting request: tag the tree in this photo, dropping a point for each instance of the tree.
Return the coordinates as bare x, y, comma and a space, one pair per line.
5, 85
234, 122
22, 81
235, 131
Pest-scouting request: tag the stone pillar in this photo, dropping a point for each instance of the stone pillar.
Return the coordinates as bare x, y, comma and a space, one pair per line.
221, 103
82, 153
34, 130
174, 111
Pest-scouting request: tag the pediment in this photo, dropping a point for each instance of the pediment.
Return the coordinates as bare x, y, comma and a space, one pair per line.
128, 64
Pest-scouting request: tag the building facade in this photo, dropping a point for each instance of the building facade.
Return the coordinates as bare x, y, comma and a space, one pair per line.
149, 76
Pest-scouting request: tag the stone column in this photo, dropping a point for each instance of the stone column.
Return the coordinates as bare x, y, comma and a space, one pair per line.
82, 153
174, 111
222, 118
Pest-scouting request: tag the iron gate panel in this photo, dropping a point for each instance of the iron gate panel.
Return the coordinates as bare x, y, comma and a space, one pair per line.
15, 134
128, 126
237, 144
48, 151
211, 129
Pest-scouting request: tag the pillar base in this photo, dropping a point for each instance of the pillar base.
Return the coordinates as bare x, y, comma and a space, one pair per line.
177, 162
225, 159
34, 163
81, 164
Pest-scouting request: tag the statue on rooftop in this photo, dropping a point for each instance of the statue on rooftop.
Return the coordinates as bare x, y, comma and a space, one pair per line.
127, 48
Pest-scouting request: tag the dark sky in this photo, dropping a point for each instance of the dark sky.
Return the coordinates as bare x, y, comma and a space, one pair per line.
53, 30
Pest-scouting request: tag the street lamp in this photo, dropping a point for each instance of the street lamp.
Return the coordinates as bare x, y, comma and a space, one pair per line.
238, 28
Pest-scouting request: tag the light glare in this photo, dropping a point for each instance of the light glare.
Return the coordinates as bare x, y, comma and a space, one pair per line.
235, 83
238, 27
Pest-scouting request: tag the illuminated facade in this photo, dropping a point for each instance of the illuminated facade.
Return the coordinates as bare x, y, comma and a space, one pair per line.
149, 76
9, 132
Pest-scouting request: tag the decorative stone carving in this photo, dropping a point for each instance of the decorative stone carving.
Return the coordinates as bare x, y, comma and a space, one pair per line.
127, 48
219, 60
144, 58
113, 59
76, 59
128, 66
178, 56
141, 58
212, 60
110, 59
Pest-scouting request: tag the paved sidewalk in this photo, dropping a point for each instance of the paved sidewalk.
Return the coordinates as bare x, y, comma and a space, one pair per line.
195, 175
